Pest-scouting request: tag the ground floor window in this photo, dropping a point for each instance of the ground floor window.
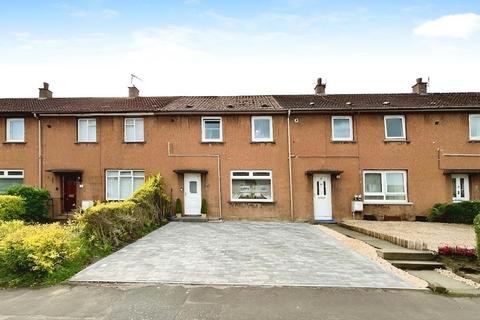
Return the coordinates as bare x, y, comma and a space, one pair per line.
251, 186
121, 184
385, 186
9, 178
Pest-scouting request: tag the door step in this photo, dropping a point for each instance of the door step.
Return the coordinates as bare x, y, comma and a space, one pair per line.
416, 264
418, 255
191, 219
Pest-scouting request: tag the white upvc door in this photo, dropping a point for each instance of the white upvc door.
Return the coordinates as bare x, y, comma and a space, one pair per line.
322, 197
192, 186
460, 187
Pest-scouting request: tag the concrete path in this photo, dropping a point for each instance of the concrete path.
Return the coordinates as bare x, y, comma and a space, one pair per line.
133, 302
240, 253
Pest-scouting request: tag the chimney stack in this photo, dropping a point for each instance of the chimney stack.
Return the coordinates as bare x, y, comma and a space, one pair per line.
320, 87
44, 93
133, 92
419, 87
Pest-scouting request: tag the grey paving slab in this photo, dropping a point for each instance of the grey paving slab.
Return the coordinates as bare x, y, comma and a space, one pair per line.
240, 253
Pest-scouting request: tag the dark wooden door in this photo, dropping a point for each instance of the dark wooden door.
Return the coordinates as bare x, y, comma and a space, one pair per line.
69, 193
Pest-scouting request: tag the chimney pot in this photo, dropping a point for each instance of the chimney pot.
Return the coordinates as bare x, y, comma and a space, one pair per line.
320, 87
419, 87
44, 93
133, 92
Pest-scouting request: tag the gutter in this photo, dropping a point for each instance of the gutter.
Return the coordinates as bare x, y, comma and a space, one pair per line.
193, 155
290, 182
39, 149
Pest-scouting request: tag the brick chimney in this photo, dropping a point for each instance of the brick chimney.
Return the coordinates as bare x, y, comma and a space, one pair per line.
44, 93
133, 92
419, 87
320, 87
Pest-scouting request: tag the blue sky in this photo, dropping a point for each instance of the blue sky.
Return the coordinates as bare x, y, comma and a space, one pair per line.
200, 47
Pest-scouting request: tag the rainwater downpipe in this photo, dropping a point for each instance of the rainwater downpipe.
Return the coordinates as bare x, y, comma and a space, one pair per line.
290, 182
39, 149
193, 155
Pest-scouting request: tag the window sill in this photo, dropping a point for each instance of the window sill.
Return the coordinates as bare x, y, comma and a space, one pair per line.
343, 141
474, 141
251, 202
14, 142
78, 142
398, 141
134, 142
264, 142
212, 142
388, 203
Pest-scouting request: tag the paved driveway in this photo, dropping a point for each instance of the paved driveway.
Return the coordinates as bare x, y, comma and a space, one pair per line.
240, 253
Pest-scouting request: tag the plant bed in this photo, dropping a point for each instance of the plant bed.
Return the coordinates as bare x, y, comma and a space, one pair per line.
467, 267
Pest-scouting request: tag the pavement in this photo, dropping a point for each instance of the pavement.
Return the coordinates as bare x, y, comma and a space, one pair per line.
241, 253
132, 302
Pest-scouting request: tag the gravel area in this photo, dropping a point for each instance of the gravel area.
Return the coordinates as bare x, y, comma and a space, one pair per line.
430, 233
371, 253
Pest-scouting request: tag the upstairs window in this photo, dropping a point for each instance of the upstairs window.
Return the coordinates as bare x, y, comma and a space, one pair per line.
262, 129
251, 186
342, 129
9, 178
121, 184
15, 130
385, 186
474, 127
395, 128
134, 131
87, 130
212, 129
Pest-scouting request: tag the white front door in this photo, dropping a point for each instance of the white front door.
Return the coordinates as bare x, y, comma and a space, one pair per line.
460, 187
192, 186
322, 197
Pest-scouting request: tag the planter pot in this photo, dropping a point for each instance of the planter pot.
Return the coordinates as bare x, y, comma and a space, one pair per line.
179, 215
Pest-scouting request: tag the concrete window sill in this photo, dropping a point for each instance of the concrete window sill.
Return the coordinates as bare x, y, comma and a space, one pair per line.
473, 141
212, 142
251, 202
388, 203
86, 142
134, 142
14, 142
343, 141
262, 142
397, 141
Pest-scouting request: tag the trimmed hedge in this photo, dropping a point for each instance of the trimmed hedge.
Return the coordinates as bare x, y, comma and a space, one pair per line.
36, 202
35, 251
112, 225
457, 212
476, 225
11, 207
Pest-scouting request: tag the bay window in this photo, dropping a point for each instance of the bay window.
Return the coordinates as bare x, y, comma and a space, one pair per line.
121, 184
251, 186
385, 186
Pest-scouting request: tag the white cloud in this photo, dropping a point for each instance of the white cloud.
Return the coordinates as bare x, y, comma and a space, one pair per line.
450, 26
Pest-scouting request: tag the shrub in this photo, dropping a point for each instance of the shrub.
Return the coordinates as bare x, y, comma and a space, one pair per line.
8, 227
178, 206
34, 251
204, 208
476, 225
457, 212
113, 224
11, 207
36, 202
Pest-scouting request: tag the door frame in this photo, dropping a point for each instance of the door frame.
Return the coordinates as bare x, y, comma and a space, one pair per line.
328, 194
186, 180
466, 177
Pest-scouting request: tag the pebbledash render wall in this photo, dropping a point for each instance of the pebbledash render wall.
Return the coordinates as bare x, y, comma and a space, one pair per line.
437, 143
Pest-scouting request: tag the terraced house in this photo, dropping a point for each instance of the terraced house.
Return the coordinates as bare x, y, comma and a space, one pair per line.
287, 157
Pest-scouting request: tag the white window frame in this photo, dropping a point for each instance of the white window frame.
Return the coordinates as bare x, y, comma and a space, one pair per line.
350, 122
118, 184
135, 139
7, 174
88, 120
470, 117
270, 139
9, 133
404, 136
251, 177
384, 192
205, 139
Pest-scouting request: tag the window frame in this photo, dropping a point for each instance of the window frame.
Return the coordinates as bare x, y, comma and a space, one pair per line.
253, 118
470, 116
350, 122
135, 119
250, 176
205, 139
88, 122
404, 137
8, 134
384, 192
118, 176
6, 174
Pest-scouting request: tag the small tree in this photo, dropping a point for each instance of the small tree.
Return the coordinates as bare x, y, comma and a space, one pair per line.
204, 209
178, 206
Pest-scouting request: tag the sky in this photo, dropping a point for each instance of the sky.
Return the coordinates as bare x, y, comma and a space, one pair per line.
201, 47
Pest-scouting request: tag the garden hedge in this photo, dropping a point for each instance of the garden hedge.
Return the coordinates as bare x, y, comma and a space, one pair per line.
457, 212
112, 225
11, 207
36, 202
476, 225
